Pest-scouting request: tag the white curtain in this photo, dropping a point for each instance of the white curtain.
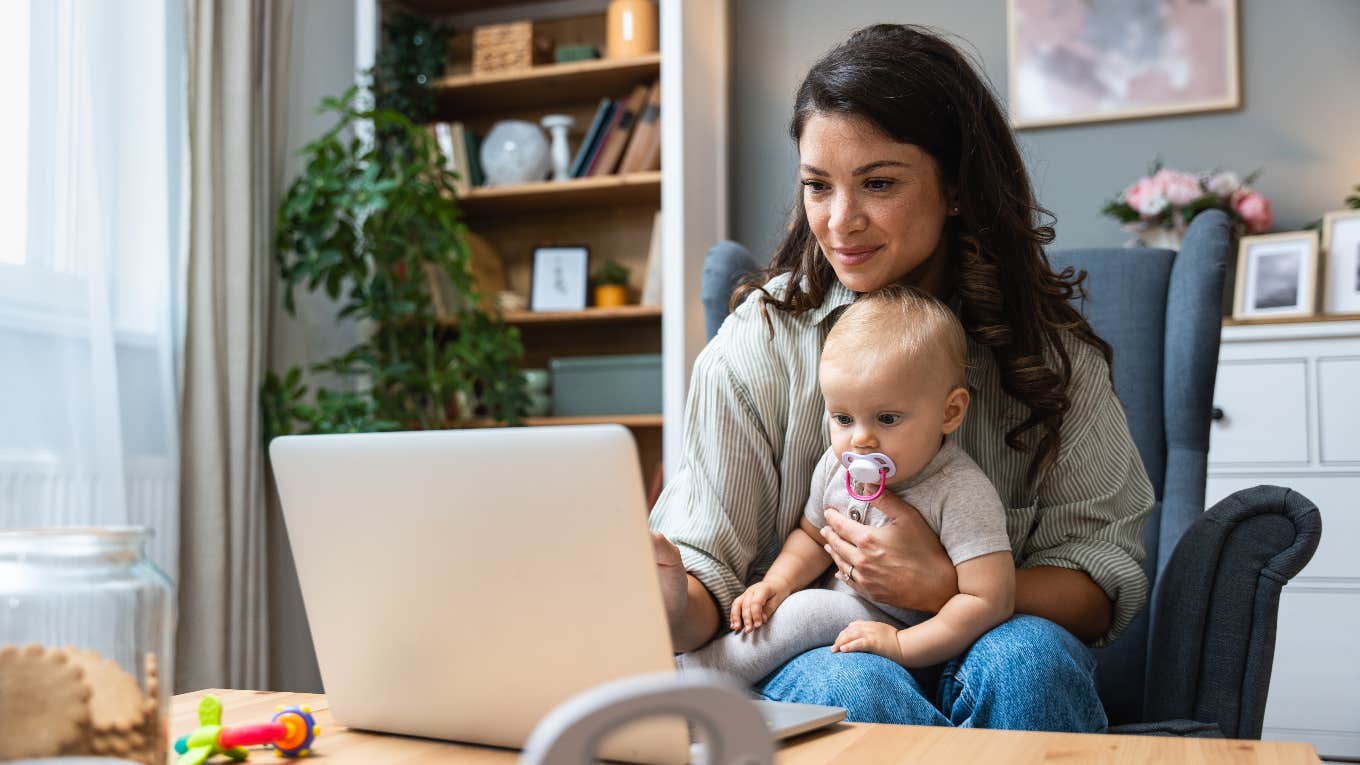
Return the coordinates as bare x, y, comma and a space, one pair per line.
91, 223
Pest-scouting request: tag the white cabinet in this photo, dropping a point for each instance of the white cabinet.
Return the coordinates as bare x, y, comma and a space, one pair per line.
1288, 401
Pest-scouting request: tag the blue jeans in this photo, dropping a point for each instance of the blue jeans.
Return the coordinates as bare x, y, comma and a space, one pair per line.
1026, 674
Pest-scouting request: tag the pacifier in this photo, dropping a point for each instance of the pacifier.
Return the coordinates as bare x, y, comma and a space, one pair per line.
867, 468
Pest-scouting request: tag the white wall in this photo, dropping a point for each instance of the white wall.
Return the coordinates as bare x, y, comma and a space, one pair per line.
1299, 63
323, 64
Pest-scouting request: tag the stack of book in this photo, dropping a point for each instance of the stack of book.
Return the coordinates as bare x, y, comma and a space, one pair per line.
460, 147
624, 136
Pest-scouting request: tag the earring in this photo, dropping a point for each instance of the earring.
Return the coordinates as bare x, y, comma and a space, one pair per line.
955, 211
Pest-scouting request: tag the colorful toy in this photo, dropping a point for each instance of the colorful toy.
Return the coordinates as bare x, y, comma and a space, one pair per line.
290, 732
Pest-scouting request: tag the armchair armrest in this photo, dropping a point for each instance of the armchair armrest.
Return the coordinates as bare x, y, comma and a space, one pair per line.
1212, 636
724, 266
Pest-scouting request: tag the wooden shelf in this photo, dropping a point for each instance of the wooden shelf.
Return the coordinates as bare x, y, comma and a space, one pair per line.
1291, 320
438, 8
567, 319
627, 420
541, 87
600, 191
589, 316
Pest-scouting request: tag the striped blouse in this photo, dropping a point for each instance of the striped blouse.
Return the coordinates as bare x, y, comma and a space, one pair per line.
755, 425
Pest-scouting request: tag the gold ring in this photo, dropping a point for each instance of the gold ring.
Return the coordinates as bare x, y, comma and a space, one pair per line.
850, 577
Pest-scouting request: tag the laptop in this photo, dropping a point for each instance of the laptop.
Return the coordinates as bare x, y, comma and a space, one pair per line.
461, 584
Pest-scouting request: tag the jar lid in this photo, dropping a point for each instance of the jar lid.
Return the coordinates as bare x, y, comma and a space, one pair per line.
74, 540
72, 761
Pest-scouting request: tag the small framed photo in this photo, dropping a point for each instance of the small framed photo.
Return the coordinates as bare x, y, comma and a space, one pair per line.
1276, 276
1341, 259
560, 280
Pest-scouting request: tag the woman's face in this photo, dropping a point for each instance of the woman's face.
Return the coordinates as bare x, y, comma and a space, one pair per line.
875, 205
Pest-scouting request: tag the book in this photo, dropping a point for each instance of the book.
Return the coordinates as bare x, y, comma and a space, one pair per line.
450, 146
461, 162
618, 137
605, 130
474, 145
646, 136
591, 137
443, 140
652, 159
651, 284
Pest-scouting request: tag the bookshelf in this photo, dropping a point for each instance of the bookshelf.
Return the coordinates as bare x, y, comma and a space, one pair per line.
629, 313
631, 420
543, 86
575, 194
612, 214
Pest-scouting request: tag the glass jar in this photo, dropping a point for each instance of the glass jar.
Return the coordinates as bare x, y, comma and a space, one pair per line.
86, 637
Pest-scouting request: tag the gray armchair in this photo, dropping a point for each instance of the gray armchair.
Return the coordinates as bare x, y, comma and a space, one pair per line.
1197, 662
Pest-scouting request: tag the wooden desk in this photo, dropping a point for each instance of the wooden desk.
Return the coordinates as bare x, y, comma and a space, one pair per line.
844, 743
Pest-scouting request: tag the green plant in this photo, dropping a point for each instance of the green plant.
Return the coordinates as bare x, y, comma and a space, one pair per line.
412, 56
365, 221
611, 272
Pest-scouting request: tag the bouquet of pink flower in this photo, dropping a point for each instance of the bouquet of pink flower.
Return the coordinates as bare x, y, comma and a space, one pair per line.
1170, 199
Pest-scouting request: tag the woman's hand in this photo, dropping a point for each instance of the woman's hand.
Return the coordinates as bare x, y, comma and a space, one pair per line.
902, 563
671, 571
690, 611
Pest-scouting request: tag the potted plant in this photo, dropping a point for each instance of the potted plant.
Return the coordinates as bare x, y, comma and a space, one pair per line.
372, 212
611, 285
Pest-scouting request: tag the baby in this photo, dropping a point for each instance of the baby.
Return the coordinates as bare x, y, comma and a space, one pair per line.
892, 374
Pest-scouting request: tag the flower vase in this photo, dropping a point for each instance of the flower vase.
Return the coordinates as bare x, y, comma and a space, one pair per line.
1161, 238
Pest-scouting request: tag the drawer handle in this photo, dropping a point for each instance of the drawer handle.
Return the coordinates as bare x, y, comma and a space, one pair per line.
1216, 414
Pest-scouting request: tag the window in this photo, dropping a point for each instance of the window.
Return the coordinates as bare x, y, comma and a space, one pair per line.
89, 261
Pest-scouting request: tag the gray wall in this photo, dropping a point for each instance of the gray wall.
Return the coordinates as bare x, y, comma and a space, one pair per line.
1300, 112
323, 54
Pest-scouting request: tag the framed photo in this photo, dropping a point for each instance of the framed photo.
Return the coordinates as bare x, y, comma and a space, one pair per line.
1073, 61
1341, 259
1276, 276
560, 278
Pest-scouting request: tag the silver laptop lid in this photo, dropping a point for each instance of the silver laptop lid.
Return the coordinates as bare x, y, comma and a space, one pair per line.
460, 584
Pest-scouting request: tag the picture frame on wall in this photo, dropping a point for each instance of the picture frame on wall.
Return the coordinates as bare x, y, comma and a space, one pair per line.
560, 278
1074, 61
1341, 262
1276, 276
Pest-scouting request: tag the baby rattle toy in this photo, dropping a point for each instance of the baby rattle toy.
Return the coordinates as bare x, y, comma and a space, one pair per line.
290, 732
867, 468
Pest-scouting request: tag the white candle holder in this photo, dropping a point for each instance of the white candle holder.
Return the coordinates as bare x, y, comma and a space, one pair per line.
557, 125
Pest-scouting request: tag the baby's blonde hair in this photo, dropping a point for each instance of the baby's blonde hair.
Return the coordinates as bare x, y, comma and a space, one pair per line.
898, 322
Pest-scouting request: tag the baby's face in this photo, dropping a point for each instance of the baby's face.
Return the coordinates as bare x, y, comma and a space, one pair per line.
892, 407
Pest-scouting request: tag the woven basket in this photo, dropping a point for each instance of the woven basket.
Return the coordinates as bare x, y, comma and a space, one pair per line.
505, 47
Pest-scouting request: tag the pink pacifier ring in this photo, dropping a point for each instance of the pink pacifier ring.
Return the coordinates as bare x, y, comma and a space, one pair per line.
882, 482
857, 466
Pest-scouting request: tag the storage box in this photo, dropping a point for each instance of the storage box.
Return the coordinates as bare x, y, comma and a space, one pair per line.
504, 47
594, 385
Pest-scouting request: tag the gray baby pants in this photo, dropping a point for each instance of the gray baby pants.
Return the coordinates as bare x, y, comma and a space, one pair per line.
807, 619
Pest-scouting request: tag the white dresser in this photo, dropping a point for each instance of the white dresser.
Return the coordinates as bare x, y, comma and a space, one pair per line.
1287, 412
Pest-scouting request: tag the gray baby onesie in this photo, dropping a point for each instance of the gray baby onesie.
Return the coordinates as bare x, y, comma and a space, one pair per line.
956, 500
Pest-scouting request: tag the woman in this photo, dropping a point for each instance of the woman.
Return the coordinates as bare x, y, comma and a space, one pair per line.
910, 175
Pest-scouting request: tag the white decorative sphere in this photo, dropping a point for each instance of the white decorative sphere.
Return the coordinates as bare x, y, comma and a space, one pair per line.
515, 152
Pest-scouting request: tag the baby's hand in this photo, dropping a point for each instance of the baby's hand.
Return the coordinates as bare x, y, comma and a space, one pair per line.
870, 637
753, 607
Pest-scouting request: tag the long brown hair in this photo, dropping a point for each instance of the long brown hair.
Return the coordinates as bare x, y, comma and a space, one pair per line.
919, 89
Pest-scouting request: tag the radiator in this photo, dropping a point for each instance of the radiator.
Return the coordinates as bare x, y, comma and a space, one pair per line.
41, 491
